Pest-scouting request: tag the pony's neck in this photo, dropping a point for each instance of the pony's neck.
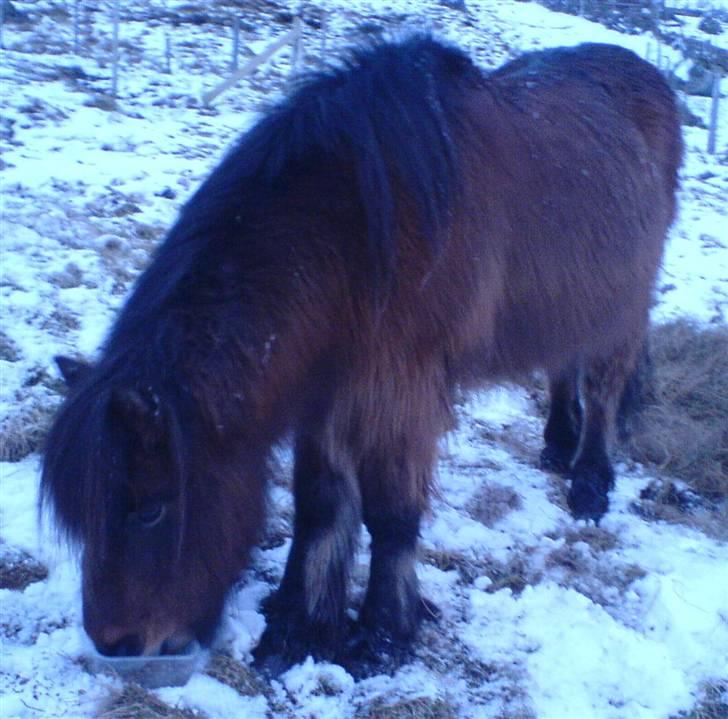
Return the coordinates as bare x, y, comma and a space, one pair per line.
250, 359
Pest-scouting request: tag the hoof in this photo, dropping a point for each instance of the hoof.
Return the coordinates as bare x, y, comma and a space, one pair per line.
275, 655
587, 498
372, 649
370, 652
555, 458
289, 638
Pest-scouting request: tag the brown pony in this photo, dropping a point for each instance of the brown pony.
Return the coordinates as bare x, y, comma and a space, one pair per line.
398, 226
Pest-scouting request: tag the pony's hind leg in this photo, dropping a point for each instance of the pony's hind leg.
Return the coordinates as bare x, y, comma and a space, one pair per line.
307, 614
592, 476
563, 426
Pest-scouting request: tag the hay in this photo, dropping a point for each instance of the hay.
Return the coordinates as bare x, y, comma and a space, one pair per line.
134, 702
23, 430
238, 676
414, 708
9, 350
683, 429
493, 502
18, 569
448, 560
713, 703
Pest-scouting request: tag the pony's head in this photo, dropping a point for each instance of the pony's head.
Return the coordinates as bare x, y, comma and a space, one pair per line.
164, 514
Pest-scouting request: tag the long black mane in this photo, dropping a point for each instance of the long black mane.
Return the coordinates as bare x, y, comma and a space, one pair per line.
365, 111
387, 112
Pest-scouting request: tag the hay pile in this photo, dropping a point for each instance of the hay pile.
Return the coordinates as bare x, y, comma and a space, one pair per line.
684, 425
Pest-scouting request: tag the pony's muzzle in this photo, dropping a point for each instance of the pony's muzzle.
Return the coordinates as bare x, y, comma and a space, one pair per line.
112, 642
130, 645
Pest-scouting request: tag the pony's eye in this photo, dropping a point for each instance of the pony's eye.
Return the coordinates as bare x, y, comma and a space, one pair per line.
151, 514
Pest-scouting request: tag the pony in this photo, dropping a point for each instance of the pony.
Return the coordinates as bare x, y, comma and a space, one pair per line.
398, 227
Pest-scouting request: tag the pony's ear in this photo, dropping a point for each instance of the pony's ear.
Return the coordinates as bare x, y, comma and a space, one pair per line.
140, 412
72, 370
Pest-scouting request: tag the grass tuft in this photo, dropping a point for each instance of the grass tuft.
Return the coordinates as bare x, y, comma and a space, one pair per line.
713, 703
23, 431
236, 675
134, 702
515, 574
407, 708
493, 502
18, 569
9, 350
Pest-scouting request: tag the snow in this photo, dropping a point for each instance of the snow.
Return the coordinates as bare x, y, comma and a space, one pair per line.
86, 194
599, 666
217, 700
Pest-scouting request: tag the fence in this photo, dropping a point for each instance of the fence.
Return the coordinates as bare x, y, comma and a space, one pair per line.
293, 37
638, 14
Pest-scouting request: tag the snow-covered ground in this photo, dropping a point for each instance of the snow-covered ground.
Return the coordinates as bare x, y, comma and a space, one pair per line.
542, 616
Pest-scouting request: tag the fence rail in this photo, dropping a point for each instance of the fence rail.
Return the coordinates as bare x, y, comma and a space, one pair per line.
292, 37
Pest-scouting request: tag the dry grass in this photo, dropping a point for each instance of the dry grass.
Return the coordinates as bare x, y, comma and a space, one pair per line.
9, 350
407, 708
18, 569
448, 560
598, 538
23, 428
713, 703
23, 431
515, 574
684, 425
236, 675
70, 276
134, 702
600, 581
493, 502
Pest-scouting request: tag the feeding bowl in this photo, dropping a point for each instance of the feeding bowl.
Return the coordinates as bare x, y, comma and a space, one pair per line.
152, 672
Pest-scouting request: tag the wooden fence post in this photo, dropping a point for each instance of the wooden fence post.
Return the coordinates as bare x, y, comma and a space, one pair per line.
297, 44
76, 26
713, 129
167, 40
236, 44
167, 52
115, 43
324, 31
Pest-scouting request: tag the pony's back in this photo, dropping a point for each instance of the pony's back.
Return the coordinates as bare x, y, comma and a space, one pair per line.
572, 156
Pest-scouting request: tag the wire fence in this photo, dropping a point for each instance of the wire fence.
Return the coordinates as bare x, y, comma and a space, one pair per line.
625, 15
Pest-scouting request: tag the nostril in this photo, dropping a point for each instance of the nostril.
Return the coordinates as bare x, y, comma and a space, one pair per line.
129, 646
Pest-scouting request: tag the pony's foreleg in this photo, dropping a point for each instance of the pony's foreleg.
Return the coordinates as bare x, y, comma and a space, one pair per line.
307, 614
394, 494
592, 476
563, 426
